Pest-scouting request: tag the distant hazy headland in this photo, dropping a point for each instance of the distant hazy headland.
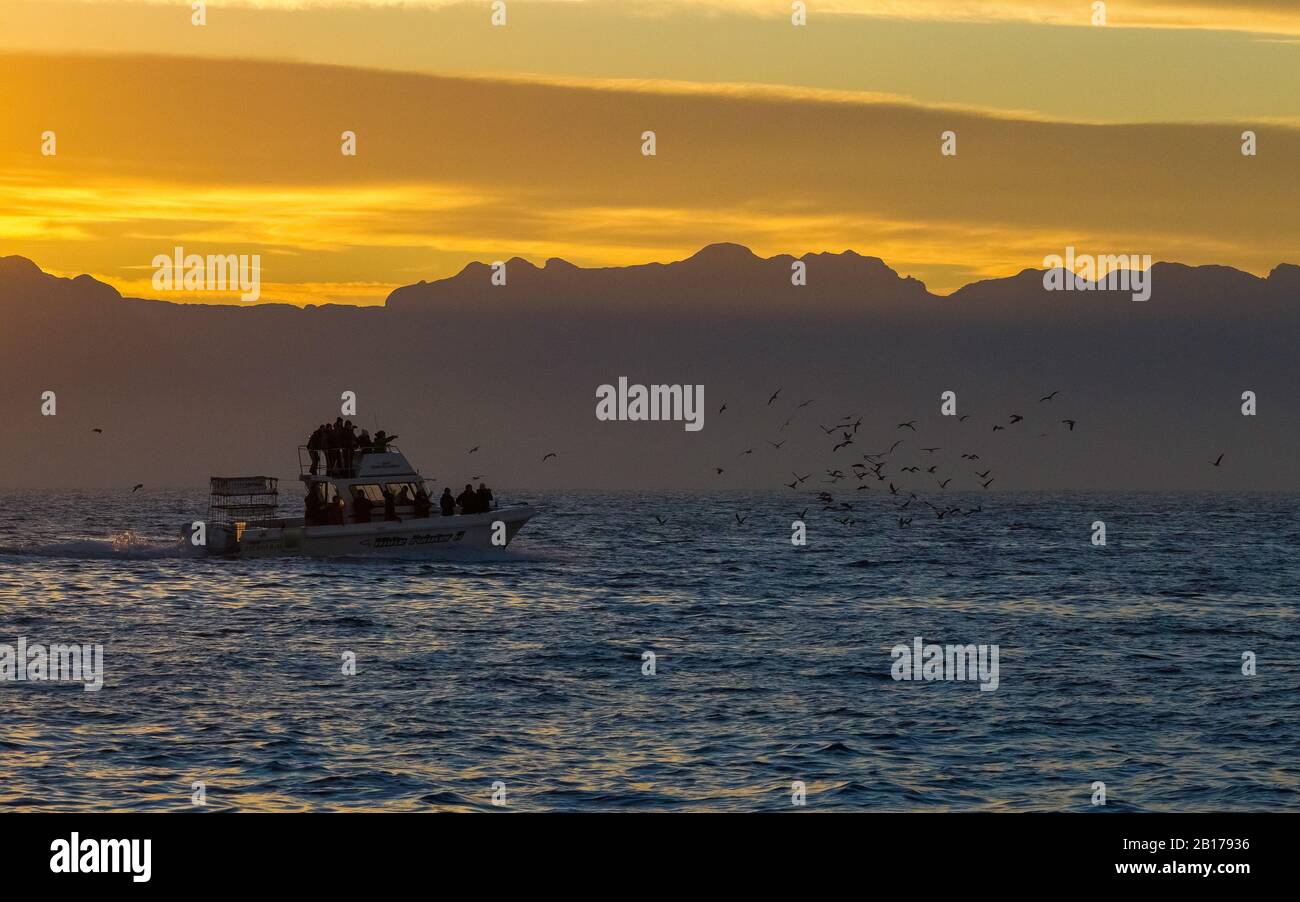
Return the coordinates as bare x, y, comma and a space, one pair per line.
187, 390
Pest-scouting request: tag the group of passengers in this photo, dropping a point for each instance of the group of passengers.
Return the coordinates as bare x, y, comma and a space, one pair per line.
321, 513
340, 447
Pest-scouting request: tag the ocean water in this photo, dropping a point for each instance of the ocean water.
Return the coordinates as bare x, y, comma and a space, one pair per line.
1120, 664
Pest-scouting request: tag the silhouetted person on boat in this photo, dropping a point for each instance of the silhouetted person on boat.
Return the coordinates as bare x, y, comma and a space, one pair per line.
383, 440
335, 515
314, 507
447, 503
349, 445
390, 507
334, 446
361, 507
364, 444
467, 500
484, 495
422, 504
316, 445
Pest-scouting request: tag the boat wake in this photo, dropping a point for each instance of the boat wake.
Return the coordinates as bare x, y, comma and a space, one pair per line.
126, 545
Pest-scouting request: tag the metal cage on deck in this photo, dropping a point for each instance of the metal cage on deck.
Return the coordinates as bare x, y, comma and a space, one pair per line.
243, 499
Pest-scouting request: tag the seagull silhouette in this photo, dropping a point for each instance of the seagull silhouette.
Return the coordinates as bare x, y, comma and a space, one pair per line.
659, 519
138, 486
100, 431
549, 456
1016, 418
472, 450
723, 407
740, 521
804, 404
777, 445
1069, 423
1219, 460
773, 398
910, 424
1051, 396
720, 470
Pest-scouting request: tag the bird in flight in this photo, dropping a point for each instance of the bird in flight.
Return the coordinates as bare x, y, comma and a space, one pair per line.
1051, 396
773, 398
740, 521
97, 429
720, 470
996, 428
931, 450
963, 418
804, 404
984, 475
777, 445
549, 456
1069, 423
472, 450
743, 453
792, 485
1218, 461
140, 485
910, 424
723, 407
1016, 418
477, 477
659, 520
987, 484
944, 484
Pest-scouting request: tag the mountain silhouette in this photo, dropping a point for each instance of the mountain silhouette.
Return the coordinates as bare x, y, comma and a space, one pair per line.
186, 390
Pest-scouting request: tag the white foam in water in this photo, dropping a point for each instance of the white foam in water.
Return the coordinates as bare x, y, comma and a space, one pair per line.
126, 545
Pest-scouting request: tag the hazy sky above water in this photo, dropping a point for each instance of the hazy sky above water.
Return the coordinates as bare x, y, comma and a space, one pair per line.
480, 142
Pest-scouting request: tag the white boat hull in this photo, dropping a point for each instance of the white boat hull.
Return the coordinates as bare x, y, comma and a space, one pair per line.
409, 538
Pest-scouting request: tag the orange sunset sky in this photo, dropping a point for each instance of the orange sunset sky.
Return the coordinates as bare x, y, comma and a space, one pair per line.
485, 142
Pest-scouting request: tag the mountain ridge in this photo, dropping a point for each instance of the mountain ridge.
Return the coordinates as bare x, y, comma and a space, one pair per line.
726, 272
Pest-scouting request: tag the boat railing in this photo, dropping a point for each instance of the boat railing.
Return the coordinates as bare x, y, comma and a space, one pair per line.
324, 464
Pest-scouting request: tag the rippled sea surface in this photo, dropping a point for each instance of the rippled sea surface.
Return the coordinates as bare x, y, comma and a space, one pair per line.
1120, 664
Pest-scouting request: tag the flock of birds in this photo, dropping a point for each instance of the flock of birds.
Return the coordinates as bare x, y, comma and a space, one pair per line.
872, 465
907, 470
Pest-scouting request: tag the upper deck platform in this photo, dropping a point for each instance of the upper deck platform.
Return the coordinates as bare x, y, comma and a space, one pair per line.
386, 464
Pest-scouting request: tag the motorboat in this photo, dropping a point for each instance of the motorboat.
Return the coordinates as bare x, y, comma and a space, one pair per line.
362, 506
